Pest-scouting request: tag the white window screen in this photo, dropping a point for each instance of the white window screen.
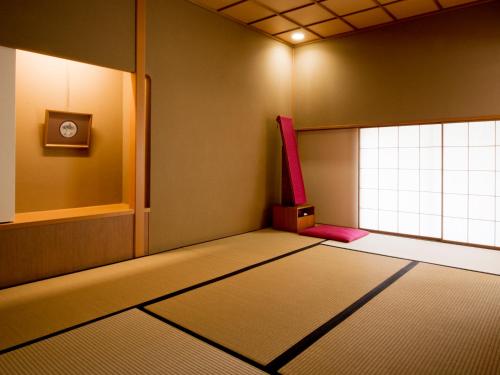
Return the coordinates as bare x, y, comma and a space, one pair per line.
469, 182
400, 179
423, 178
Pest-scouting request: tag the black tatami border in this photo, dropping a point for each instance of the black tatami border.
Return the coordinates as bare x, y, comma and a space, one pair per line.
204, 339
322, 330
277, 363
161, 298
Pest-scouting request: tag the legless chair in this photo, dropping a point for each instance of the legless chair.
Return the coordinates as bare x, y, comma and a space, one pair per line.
294, 214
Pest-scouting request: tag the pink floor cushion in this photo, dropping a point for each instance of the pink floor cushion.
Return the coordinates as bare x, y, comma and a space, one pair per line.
330, 232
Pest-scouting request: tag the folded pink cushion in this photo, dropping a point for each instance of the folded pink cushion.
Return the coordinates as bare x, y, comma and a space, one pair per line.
330, 232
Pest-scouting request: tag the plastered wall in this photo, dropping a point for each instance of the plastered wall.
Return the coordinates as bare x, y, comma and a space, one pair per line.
216, 90
64, 178
435, 67
443, 66
329, 161
93, 31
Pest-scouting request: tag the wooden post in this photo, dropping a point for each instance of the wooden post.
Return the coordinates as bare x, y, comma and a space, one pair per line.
140, 129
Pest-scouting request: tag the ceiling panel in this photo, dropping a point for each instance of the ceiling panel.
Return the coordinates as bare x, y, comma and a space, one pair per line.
309, 14
330, 28
408, 8
275, 25
318, 17
214, 4
369, 18
287, 37
284, 5
342, 7
247, 11
452, 3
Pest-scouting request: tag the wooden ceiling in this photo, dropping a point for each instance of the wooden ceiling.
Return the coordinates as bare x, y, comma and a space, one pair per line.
321, 19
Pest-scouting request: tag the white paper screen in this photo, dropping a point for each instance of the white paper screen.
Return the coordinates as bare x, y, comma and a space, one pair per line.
437, 180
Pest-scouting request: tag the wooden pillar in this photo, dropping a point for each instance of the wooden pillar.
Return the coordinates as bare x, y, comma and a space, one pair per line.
7, 133
140, 233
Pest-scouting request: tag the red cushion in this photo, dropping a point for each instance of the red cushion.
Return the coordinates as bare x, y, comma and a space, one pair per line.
293, 161
330, 232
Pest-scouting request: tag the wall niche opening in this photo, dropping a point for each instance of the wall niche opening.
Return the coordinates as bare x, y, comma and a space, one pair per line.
68, 181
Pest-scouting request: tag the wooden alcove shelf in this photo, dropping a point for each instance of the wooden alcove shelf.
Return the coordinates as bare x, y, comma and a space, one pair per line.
43, 244
26, 219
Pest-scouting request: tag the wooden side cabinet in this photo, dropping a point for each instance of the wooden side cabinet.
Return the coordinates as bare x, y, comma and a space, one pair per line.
293, 218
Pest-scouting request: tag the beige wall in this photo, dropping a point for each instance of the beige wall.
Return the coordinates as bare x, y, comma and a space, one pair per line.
444, 66
7, 133
435, 67
94, 31
330, 168
63, 178
216, 90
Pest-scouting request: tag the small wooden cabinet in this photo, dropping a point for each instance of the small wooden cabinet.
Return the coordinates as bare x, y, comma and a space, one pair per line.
293, 218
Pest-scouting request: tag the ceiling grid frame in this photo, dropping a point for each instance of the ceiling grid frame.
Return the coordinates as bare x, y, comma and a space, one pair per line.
322, 27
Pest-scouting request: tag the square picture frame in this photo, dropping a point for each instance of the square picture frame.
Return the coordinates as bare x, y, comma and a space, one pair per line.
67, 129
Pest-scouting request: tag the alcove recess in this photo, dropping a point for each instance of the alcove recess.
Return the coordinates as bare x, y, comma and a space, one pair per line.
73, 207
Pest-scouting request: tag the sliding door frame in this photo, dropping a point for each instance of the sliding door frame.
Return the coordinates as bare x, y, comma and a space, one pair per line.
442, 122
438, 122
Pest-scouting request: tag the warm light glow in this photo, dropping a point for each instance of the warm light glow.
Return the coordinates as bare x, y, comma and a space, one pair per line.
298, 36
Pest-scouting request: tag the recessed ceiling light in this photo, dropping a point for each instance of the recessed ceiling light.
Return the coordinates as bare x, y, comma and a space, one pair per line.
298, 36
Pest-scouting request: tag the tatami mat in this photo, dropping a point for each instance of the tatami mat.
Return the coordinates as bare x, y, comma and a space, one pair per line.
128, 343
434, 320
37, 309
459, 256
263, 312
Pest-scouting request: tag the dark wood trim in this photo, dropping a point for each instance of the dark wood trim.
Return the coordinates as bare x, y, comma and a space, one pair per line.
401, 123
283, 15
231, 5
335, 15
386, 11
387, 24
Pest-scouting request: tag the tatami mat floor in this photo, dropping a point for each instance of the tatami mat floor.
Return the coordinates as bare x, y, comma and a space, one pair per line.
128, 343
266, 301
37, 309
276, 305
434, 320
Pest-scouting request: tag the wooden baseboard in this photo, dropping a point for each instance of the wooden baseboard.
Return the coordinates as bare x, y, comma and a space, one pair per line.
35, 252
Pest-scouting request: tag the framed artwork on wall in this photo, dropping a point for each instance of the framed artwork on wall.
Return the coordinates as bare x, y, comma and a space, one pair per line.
67, 129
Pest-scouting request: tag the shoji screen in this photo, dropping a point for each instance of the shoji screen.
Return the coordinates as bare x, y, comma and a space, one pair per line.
405, 187
400, 179
470, 183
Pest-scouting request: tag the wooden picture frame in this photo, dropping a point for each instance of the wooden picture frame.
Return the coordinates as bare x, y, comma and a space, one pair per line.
67, 129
